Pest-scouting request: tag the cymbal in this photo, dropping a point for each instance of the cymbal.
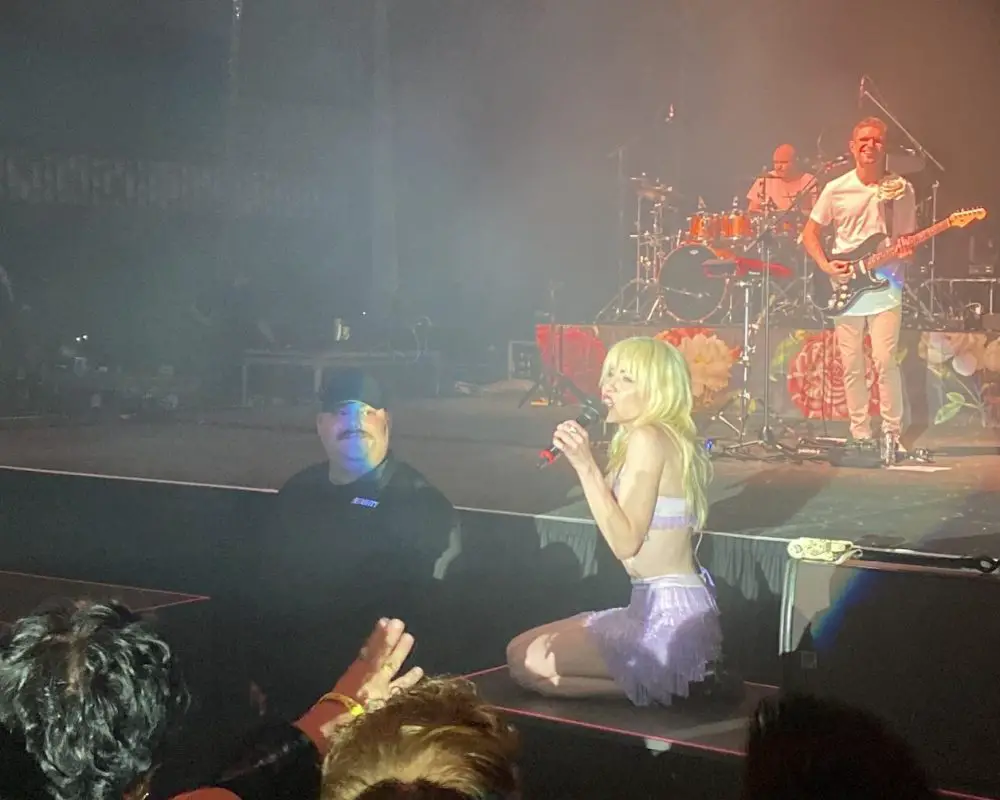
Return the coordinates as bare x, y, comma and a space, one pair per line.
904, 161
653, 190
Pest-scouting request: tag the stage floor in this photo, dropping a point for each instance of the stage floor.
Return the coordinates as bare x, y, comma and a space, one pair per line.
481, 451
722, 731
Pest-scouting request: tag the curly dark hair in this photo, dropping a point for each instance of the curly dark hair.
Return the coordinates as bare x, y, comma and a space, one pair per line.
92, 691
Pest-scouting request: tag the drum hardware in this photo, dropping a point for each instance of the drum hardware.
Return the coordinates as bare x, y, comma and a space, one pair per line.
743, 397
914, 310
988, 284
767, 437
638, 298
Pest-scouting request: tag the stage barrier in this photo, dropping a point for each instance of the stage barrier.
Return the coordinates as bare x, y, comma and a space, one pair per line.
513, 571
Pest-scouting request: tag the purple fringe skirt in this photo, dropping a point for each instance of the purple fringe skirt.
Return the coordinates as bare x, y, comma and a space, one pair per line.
665, 639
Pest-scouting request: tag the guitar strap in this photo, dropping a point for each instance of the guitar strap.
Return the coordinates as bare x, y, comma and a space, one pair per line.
888, 215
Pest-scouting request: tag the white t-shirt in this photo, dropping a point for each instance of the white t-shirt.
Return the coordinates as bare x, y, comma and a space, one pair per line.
782, 192
855, 212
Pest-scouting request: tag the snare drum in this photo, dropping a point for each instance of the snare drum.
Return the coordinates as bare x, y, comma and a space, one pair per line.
704, 227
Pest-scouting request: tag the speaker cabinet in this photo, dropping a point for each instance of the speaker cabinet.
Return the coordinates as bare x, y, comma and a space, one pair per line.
918, 646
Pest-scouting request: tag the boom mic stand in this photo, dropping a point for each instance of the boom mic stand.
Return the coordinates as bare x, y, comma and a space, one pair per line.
921, 151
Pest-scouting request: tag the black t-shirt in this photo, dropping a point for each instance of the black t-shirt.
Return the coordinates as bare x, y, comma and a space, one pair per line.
336, 558
392, 511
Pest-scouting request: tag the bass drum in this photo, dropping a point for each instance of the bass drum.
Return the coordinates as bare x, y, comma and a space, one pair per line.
689, 294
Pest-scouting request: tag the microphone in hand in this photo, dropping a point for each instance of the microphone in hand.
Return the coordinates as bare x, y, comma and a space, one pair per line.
589, 415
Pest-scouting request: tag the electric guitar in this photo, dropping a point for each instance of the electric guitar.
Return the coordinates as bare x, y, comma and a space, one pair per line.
869, 256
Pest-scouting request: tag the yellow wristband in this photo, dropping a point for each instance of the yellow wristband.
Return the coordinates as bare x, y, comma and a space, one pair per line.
353, 706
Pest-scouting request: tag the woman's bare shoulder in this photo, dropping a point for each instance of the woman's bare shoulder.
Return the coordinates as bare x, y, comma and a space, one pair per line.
651, 437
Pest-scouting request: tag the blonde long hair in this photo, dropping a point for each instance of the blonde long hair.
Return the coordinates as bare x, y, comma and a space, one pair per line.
662, 375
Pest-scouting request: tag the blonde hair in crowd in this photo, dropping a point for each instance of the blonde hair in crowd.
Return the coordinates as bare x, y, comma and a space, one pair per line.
435, 740
662, 375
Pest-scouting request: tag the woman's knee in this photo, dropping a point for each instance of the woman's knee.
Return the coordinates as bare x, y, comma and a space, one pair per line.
518, 661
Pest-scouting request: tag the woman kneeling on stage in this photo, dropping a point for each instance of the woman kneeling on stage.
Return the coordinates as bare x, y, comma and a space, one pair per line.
646, 507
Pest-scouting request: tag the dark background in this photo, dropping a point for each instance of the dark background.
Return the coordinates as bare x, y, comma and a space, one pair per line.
503, 118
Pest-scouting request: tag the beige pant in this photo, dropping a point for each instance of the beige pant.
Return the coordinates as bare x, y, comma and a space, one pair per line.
884, 330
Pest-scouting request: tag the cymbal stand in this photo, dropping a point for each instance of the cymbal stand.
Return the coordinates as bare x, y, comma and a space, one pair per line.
803, 277
935, 311
767, 440
647, 264
744, 396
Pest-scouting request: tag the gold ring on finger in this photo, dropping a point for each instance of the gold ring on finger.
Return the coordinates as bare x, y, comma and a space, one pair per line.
388, 667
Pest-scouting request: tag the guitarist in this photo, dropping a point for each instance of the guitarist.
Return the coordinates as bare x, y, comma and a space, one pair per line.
863, 202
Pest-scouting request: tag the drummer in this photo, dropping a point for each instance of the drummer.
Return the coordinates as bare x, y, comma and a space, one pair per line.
777, 189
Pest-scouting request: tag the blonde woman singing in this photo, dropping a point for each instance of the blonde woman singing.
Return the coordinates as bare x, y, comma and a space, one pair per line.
647, 507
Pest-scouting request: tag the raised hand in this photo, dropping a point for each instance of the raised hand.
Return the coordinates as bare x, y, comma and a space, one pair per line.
372, 678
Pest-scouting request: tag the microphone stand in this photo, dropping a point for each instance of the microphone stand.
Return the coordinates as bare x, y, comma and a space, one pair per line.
922, 151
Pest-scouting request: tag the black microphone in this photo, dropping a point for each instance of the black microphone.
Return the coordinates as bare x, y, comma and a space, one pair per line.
839, 161
588, 416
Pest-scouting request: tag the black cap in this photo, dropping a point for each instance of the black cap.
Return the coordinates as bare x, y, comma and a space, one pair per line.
351, 385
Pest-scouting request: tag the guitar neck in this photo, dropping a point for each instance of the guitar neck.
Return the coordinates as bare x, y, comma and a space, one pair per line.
916, 239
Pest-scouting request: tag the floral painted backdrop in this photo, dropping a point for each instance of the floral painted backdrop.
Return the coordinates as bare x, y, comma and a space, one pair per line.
964, 370
958, 374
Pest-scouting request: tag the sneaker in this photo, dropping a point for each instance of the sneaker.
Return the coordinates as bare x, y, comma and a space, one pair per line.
891, 448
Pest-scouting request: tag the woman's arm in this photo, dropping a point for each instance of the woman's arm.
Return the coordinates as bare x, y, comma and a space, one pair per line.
625, 521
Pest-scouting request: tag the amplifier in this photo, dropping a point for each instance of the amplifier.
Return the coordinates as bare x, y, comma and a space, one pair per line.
523, 360
918, 646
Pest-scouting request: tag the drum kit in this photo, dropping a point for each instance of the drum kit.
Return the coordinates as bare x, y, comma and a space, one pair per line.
688, 270
717, 268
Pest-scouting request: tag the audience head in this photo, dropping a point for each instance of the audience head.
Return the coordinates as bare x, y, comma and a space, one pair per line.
90, 692
646, 382
353, 422
807, 748
437, 741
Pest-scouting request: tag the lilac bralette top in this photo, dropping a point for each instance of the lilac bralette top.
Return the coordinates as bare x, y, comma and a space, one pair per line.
670, 512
